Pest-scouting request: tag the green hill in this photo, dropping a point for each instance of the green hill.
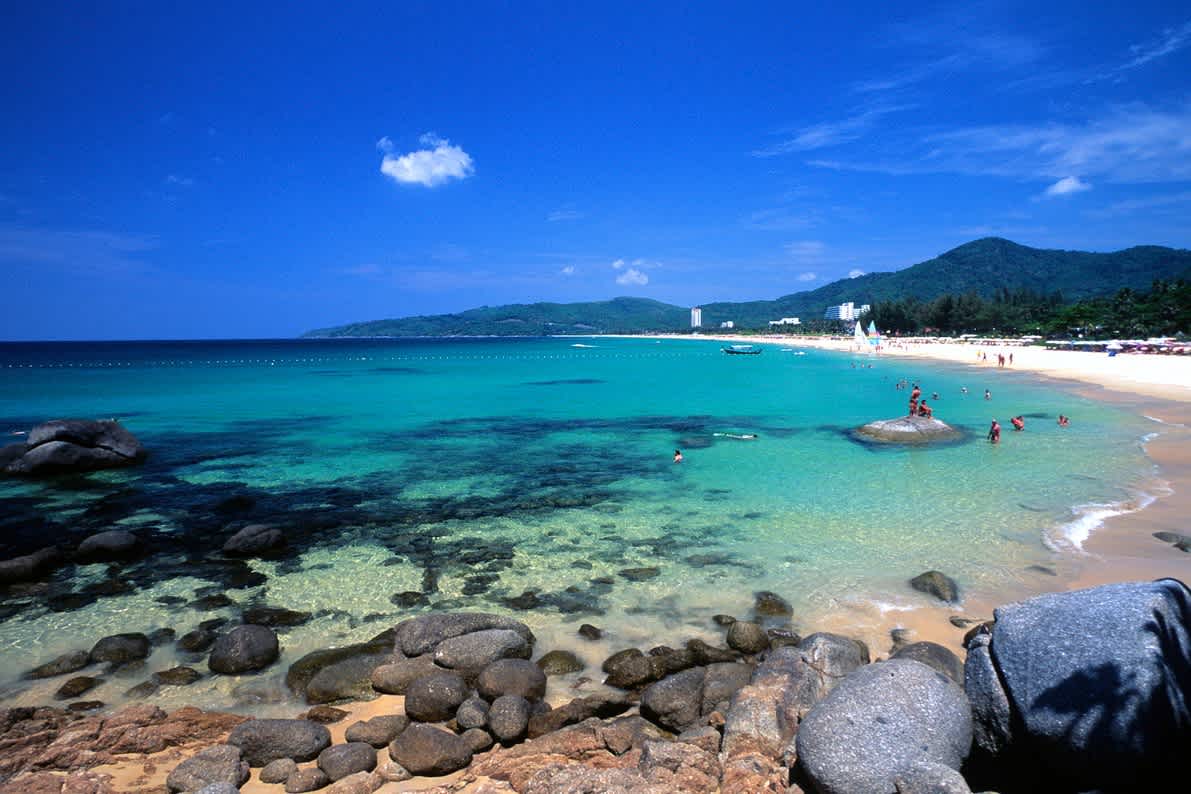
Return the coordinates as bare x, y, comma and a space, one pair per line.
620, 315
983, 266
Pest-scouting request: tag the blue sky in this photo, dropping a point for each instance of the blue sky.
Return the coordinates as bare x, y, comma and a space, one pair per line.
237, 170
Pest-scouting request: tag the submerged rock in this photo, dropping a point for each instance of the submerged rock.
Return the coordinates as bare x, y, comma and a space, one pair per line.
938, 584
77, 445
255, 540
30, 567
108, 546
908, 430
244, 649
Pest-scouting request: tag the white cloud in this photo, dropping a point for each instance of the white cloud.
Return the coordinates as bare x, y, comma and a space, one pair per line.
1066, 186
806, 250
807, 276
830, 133
1169, 41
181, 181
632, 277
430, 167
1154, 203
855, 273
618, 264
385, 144
569, 270
564, 215
1129, 143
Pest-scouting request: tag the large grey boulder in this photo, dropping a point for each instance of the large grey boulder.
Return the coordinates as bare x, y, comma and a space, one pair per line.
262, 741
121, 648
435, 697
303, 671
512, 677
1091, 686
508, 718
908, 430
29, 567
347, 679
115, 544
879, 722
420, 635
928, 778
676, 701
255, 540
478, 649
243, 650
394, 678
764, 715
218, 764
377, 731
77, 445
341, 760
426, 750
934, 655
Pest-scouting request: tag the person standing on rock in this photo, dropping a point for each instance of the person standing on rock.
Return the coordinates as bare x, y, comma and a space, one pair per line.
914, 395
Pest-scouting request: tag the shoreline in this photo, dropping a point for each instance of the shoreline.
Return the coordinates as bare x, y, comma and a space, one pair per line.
1121, 547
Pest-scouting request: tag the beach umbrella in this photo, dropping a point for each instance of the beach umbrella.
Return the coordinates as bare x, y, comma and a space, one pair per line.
1113, 346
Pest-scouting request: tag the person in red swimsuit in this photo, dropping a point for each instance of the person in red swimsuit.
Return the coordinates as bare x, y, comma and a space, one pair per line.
994, 432
1019, 423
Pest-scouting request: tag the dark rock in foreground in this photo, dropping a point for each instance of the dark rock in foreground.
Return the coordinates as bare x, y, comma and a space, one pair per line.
244, 649
262, 741
218, 764
879, 722
908, 430
425, 750
76, 445
108, 546
1096, 682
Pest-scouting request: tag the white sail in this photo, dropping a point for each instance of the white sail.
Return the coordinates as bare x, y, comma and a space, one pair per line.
861, 339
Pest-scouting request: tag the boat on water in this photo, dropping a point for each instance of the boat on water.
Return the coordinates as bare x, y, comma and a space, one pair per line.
742, 350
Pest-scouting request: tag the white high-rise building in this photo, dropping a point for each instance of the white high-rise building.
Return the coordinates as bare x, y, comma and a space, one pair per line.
696, 317
845, 311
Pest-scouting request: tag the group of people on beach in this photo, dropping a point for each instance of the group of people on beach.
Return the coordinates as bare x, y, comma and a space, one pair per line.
983, 356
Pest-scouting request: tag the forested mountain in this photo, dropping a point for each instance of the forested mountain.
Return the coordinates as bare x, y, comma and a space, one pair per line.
985, 268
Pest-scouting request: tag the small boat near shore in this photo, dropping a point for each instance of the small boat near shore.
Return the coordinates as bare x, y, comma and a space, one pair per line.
742, 350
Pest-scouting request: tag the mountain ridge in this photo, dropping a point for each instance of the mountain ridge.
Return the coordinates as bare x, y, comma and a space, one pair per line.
983, 266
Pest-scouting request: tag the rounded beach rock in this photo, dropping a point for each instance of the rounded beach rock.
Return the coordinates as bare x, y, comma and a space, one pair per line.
908, 430
747, 637
435, 697
377, 731
121, 648
244, 649
879, 722
426, 750
218, 764
512, 677
262, 741
938, 584
508, 719
341, 760
560, 663
108, 546
77, 445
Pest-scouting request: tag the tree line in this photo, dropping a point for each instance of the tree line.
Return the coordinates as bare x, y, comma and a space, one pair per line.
1165, 310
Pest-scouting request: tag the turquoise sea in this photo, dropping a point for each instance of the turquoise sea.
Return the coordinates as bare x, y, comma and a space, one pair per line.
533, 477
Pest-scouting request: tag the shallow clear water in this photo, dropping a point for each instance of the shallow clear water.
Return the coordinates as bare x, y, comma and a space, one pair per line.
477, 470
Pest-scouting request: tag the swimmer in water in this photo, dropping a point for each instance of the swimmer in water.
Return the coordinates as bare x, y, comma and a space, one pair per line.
987, 394
740, 436
994, 432
1019, 423
678, 456
1063, 421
